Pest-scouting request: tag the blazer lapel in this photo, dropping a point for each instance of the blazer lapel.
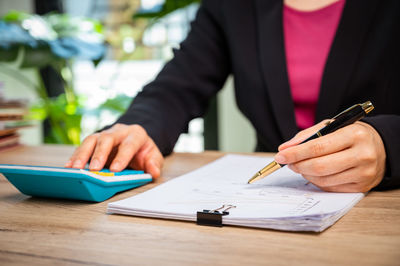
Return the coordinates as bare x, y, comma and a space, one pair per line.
273, 64
342, 59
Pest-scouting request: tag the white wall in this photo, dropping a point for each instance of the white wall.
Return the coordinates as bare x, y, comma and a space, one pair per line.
12, 88
20, 5
236, 134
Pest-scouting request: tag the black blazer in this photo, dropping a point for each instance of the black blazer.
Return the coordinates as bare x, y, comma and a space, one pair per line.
245, 38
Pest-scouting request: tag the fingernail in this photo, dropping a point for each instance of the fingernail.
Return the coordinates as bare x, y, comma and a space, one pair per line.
157, 171
290, 141
68, 163
279, 158
77, 164
285, 143
115, 166
281, 146
94, 164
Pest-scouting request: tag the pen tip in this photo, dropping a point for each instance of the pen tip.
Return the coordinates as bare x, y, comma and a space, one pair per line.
251, 180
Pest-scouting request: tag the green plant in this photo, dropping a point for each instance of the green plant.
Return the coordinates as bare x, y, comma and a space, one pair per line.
31, 41
166, 8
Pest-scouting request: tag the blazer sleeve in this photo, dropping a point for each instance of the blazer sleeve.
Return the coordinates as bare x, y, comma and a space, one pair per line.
183, 88
388, 127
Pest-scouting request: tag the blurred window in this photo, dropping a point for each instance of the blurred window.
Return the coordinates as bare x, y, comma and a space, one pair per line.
138, 50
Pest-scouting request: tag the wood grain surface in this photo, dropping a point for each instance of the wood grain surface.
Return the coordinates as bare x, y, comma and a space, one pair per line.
37, 231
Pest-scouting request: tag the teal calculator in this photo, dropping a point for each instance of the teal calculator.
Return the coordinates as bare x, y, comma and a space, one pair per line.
70, 183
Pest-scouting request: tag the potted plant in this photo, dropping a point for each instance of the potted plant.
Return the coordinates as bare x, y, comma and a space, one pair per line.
32, 41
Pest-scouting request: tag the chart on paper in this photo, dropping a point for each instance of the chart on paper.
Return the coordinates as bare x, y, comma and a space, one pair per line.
282, 195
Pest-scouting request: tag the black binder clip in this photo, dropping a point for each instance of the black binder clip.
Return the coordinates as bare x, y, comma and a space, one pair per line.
213, 217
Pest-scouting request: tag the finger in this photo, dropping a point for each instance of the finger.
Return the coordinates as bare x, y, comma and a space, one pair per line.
82, 154
144, 154
105, 143
327, 165
348, 176
334, 142
69, 163
111, 156
152, 168
303, 135
156, 163
129, 146
348, 188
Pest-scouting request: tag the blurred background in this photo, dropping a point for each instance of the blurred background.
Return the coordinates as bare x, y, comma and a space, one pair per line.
72, 67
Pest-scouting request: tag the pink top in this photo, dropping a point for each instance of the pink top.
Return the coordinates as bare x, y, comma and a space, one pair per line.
308, 38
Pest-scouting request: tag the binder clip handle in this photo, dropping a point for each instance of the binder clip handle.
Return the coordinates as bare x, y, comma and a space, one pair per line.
213, 217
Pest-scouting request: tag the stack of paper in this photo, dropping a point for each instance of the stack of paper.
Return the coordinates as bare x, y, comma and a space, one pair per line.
283, 200
12, 113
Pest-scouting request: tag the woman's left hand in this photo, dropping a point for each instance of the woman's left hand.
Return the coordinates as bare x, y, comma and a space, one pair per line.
351, 159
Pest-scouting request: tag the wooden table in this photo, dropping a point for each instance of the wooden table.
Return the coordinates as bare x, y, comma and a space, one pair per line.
50, 231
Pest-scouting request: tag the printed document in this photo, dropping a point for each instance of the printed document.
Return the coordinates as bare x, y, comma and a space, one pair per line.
283, 200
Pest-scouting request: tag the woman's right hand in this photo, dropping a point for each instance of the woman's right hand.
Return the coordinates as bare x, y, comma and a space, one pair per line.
119, 147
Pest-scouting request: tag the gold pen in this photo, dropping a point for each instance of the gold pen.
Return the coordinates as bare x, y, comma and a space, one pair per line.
347, 117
